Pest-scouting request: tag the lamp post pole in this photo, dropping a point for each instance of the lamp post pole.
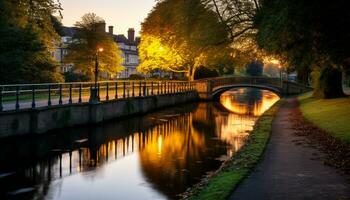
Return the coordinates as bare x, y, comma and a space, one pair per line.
96, 69
94, 98
281, 76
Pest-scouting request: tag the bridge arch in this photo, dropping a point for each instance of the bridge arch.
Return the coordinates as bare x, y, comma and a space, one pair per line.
217, 91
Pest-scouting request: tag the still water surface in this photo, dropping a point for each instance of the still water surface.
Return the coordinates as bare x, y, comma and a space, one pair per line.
156, 156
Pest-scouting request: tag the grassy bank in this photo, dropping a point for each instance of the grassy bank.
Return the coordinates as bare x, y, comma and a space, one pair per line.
221, 185
332, 115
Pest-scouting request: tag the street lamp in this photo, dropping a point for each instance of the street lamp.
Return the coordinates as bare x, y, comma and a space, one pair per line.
94, 98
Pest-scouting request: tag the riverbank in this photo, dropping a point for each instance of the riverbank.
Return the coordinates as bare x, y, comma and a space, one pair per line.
327, 125
331, 115
223, 181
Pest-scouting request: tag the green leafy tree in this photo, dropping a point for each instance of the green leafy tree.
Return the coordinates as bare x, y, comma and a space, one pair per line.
181, 36
255, 68
26, 40
312, 35
89, 37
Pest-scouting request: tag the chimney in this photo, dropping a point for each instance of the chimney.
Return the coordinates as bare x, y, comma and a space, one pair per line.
110, 30
101, 27
131, 35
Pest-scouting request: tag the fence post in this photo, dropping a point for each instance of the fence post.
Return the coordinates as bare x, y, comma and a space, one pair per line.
152, 88
107, 92
1, 107
124, 89
144, 88
70, 94
60, 93
49, 100
116, 90
133, 89
33, 96
158, 88
98, 91
17, 97
139, 88
80, 88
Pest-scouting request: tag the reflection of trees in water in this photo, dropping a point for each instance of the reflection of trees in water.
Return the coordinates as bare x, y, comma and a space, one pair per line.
37, 161
176, 149
175, 159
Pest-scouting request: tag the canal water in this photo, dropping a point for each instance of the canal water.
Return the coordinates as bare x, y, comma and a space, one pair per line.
156, 156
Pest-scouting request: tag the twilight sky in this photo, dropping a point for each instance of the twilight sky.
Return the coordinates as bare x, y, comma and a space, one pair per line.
122, 14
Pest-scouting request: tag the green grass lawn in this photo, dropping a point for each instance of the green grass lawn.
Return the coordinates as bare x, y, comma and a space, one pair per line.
221, 185
332, 115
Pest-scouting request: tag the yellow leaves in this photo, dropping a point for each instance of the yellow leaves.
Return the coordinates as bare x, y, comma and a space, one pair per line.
154, 54
180, 36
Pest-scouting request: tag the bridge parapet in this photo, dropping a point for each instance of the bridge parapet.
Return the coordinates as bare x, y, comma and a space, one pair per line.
209, 88
293, 88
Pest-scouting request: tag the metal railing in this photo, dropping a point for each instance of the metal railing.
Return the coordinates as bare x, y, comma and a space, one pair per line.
217, 82
30, 96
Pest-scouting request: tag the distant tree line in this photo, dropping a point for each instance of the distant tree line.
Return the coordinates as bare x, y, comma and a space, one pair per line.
30, 33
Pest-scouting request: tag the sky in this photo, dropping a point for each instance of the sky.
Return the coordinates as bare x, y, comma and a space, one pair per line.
122, 14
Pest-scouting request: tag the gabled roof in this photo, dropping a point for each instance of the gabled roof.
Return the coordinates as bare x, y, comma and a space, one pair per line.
122, 39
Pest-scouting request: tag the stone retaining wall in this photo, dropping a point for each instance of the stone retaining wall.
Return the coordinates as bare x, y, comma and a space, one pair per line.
41, 120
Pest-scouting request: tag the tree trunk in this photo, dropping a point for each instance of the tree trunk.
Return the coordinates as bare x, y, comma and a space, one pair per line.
191, 72
303, 74
330, 83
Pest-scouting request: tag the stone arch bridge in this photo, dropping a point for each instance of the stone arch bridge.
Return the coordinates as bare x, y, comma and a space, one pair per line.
211, 89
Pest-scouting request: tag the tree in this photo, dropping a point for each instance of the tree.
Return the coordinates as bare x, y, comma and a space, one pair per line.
203, 72
311, 35
238, 16
181, 36
255, 68
89, 37
26, 38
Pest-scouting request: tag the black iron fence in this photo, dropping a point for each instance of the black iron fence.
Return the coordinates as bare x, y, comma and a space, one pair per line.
29, 96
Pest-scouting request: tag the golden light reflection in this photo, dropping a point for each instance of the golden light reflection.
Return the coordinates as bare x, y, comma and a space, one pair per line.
231, 102
170, 146
173, 149
236, 126
160, 145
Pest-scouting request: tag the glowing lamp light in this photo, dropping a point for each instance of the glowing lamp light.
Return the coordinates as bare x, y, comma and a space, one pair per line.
275, 62
100, 49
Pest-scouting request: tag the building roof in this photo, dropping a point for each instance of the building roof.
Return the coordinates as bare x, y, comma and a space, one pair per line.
120, 38
68, 31
123, 39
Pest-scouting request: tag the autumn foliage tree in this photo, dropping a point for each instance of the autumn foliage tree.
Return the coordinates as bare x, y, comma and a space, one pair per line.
89, 37
181, 36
